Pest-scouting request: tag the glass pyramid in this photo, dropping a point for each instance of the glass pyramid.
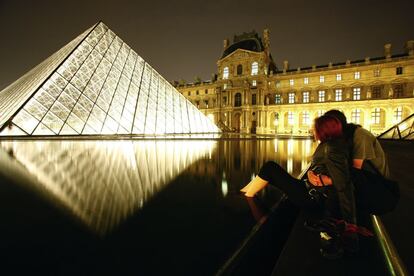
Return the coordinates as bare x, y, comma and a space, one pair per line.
404, 130
97, 85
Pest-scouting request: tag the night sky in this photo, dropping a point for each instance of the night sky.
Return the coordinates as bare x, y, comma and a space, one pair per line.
184, 39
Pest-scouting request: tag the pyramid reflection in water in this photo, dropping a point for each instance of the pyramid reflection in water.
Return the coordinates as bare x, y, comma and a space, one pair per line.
104, 182
97, 85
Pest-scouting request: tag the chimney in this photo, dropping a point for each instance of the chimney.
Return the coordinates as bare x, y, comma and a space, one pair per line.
387, 50
266, 41
409, 47
225, 44
285, 65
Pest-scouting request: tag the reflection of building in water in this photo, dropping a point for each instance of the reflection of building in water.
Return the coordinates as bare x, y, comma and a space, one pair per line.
104, 182
234, 161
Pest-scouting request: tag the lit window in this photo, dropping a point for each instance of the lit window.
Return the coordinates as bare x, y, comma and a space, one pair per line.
225, 86
306, 118
253, 99
291, 82
357, 75
254, 83
338, 77
291, 98
357, 94
225, 73
291, 118
338, 95
255, 68
398, 115
321, 79
356, 116
399, 70
306, 97
375, 116
321, 96
377, 72
278, 99
306, 80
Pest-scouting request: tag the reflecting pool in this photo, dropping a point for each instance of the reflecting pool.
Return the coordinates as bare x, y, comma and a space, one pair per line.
143, 206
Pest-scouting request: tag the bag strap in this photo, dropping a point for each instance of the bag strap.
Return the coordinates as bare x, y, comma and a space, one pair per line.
320, 179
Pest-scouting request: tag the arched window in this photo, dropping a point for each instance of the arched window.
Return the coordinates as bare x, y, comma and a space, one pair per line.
239, 70
237, 100
255, 68
225, 73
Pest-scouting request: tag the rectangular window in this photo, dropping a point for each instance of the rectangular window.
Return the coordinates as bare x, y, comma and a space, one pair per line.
198, 104
255, 68
306, 80
305, 118
377, 72
321, 79
399, 70
338, 95
291, 98
357, 94
254, 83
398, 90
291, 118
225, 86
224, 101
253, 99
321, 96
356, 116
278, 99
197, 92
305, 97
206, 103
357, 75
376, 92
277, 84
291, 82
189, 93
398, 115
376, 116
206, 91
225, 73
338, 77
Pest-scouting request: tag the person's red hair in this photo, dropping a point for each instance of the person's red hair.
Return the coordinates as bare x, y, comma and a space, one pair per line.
327, 128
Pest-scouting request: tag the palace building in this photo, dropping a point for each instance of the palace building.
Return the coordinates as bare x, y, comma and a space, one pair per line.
250, 94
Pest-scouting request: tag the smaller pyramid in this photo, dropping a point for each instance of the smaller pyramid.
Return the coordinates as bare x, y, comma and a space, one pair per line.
97, 85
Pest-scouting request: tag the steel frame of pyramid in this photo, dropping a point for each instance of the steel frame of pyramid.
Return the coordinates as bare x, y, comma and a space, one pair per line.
404, 130
97, 85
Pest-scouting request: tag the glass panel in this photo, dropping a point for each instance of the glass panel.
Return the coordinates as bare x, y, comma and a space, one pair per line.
44, 98
81, 112
66, 100
52, 122
25, 121
43, 130
67, 130
36, 109
76, 123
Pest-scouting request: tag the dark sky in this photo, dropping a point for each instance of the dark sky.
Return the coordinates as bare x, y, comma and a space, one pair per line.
183, 39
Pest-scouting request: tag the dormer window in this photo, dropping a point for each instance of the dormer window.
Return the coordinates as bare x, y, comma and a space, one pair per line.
225, 73
255, 68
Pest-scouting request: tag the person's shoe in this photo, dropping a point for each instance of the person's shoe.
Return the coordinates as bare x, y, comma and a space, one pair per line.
331, 248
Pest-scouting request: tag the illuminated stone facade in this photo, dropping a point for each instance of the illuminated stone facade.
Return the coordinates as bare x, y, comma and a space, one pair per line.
259, 98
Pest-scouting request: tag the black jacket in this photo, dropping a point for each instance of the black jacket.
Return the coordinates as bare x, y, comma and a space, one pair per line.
332, 158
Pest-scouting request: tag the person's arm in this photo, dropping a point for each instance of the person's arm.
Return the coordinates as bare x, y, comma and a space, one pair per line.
357, 163
315, 180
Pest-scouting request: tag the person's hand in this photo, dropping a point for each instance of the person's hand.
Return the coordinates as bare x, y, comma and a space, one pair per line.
314, 178
316, 181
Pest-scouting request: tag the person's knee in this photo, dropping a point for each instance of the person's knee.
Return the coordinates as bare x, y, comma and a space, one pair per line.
271, 165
